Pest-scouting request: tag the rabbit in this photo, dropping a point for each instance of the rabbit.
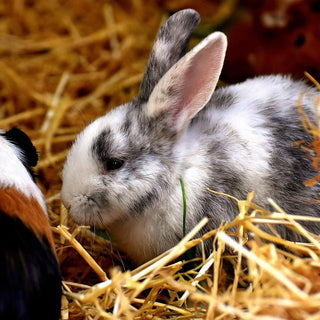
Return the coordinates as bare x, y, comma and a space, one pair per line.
123, 171
30, 281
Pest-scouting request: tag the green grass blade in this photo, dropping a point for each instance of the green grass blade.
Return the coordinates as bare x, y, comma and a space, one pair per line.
184, 199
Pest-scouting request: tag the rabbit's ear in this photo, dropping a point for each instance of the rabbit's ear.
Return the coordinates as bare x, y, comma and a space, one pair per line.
187, 87
170, 45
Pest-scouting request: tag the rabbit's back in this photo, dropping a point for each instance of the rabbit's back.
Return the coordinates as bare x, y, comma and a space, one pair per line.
251, 132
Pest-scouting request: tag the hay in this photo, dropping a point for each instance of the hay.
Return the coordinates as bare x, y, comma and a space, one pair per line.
277, 284
63, 64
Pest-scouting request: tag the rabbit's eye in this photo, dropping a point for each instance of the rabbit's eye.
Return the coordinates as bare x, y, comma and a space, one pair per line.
113, 164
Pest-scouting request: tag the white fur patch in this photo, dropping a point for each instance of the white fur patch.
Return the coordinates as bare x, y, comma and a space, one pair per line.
13, 174
160, 50
81, 176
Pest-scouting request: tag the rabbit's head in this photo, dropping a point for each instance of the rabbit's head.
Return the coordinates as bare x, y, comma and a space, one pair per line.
129, 160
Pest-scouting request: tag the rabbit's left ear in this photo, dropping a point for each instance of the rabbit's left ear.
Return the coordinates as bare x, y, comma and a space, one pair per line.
187, 87
170, 45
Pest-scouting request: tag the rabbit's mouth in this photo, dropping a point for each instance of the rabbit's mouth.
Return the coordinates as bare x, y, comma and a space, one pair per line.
83, 209
92, 211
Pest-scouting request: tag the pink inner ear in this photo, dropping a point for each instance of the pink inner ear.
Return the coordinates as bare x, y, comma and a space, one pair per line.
187, 87
197, 80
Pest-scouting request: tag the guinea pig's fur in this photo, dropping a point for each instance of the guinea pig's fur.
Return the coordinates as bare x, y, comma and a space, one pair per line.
30, 281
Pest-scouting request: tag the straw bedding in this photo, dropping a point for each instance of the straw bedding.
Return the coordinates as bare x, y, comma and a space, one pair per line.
64, 63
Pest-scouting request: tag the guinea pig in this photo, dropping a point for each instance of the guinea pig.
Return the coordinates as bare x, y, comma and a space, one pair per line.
123, 172
30, 281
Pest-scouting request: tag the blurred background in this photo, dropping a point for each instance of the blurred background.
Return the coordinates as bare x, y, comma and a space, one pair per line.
95, 52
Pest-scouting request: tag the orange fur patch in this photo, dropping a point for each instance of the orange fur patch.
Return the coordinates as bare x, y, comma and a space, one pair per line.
15, 204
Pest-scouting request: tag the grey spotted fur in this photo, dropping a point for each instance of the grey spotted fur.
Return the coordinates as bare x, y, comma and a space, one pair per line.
173, 37
236, 140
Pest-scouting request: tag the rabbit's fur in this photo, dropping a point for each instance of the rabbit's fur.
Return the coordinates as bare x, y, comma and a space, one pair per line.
236, 140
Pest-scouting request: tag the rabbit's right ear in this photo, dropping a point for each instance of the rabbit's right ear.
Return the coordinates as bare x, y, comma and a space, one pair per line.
170, 45
189, 84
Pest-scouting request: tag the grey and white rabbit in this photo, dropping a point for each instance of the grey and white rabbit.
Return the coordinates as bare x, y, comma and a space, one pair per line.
122, 173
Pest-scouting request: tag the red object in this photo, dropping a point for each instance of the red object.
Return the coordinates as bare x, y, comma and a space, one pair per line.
275, 37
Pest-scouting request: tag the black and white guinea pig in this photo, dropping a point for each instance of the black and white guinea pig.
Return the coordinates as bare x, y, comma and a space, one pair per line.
30, 281
123, 171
